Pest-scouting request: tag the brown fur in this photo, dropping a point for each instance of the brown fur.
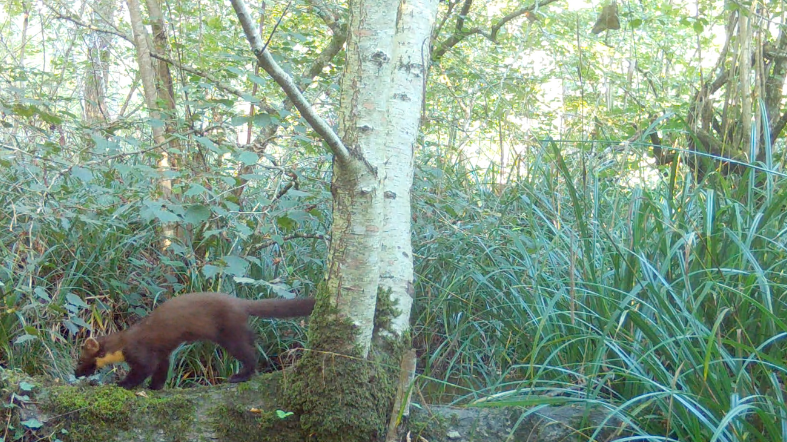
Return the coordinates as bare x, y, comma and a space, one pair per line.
216, 317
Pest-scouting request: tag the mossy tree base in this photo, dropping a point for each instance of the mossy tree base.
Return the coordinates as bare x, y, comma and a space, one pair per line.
342, 398
338, 394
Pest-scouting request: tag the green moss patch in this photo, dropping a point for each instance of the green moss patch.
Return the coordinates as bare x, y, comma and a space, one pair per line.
340, 396
100, 413
233, 422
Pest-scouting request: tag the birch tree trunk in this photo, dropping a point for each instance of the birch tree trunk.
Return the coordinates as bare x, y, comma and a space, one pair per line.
353, 257
344, 386
148, 75
410, 71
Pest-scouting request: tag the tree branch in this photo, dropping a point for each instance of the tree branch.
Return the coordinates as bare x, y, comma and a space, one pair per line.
81, 24
216, 82
460, 33
285, 82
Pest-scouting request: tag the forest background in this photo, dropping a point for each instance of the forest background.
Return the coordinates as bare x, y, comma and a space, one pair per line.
597, 211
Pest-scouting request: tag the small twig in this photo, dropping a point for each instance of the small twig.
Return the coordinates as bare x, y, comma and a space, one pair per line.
276, 26
229, 89
91, 27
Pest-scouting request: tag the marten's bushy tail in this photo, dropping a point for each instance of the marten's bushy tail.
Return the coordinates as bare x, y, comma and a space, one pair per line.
280, 308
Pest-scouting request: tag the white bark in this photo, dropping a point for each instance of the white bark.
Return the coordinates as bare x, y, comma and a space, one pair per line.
411, 60
148, 76
353, 269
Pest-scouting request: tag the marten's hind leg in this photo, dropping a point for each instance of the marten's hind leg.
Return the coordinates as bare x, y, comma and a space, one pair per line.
241, 347
159, 377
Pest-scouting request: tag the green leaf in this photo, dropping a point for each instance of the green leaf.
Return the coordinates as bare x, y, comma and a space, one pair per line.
210, 270
26, 386
281, 414
238, 120
236, 266
157, 209
41, 293
197, 214
286, 223
208, 144
70, 326
257, 79
297, 193
75, 300
32, 423
262, 120
80, 322
50, 118
195, 190
634, 24
248, 158
24, 338
82, 174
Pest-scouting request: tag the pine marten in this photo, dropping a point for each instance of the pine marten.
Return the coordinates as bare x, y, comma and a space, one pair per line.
217, 317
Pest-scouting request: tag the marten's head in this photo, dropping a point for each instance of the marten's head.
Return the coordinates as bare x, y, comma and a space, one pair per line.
94, 355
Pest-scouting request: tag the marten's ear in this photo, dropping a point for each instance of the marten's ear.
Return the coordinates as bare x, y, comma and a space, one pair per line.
91, 345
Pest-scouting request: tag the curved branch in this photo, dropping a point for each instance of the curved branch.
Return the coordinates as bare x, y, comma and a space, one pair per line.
460, 33
289, 87
334, 47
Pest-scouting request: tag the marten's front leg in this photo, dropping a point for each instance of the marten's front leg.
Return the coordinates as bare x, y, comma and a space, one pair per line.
141, 367
134, 377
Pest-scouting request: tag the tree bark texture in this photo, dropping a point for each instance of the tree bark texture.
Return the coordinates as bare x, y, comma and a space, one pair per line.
97, 73
410, 71
148, 75
353, 257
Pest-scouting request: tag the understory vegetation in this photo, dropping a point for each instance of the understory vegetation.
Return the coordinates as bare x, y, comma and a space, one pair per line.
663, 303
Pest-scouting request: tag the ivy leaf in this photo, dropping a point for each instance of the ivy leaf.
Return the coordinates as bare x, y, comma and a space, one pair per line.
248, 158
197, 214
236, 266
32, 423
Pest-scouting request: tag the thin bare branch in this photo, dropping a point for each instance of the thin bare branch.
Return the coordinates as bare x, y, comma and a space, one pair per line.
287, 84
460, 33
